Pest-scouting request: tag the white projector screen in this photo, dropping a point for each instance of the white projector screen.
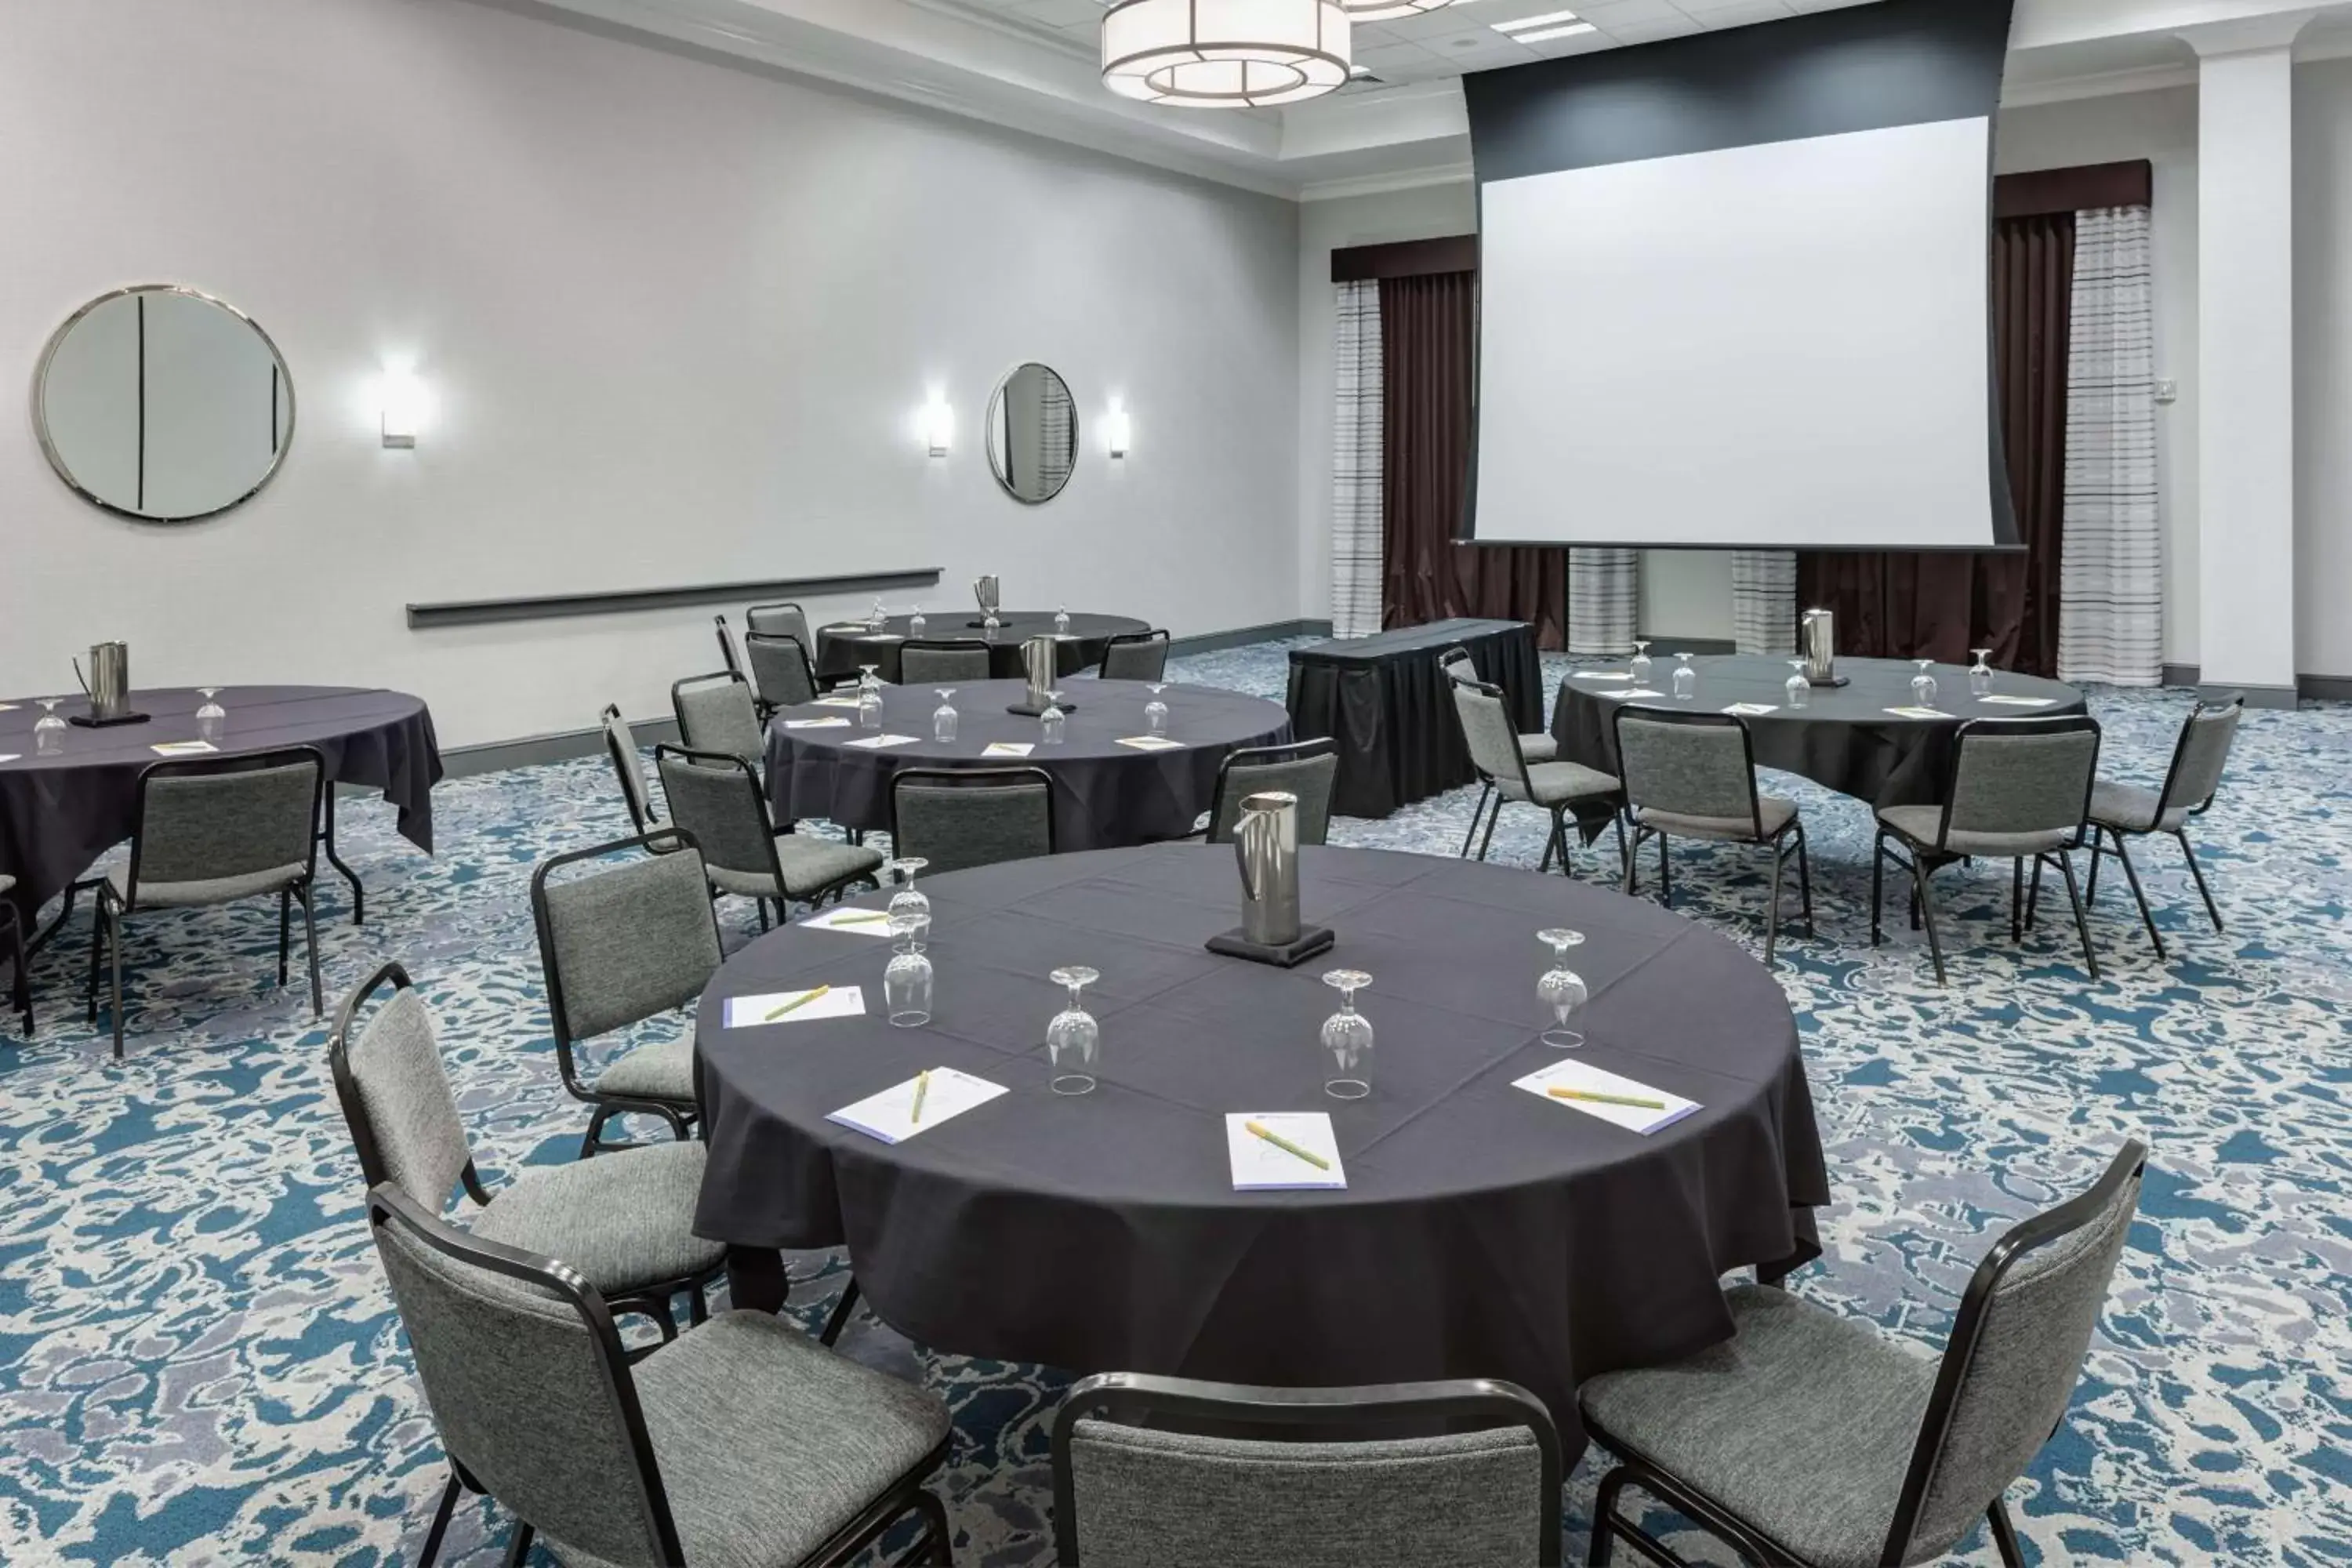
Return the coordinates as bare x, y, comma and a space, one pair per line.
1767, 346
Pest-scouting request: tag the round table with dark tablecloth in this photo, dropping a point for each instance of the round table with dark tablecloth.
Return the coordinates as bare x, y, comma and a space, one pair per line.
1105, 794
1484, 1231
60, 814
1844, 739
843, 648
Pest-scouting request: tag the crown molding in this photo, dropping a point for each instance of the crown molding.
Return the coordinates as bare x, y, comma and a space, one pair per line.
1382, 184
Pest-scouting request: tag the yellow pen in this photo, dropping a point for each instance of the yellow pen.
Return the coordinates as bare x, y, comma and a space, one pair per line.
1586, 1094
803, 1000
1286, 1146
922, 1088
866, 919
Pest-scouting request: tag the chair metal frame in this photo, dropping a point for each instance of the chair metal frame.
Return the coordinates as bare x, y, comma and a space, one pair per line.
1926, 859
1788, 840
761, 702
2108, 839
792, 605
729, 653
943, 645
387, 1203
1133, 1397
1157, 633
1634, 1469
973, 778
626, 766
21, 985
680, 1120
1252, 756
783, 899
1558, 843
105, 919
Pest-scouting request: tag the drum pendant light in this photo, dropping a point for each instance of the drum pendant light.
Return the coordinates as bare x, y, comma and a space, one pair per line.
1225, 54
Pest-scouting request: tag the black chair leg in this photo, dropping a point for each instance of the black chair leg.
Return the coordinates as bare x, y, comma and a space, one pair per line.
1486, 789
1772, 911
2090, 883
23, 977
1926, 901
1632, 858
1877, 887
310, 945
763, 903
1604, 1518
2033, 893
2016, 901
1666, 876
2004, 1535
440, 1521
96, 953
114, 953
2081, 921
841, 1311
1624, 855
2131, 877
698, 1306
285, 931
1495, 816
519, 1545
1805, 883
937, 1535
2198, 872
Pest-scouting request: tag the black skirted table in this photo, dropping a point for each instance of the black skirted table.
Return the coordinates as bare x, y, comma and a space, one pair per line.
1105, 794
843, 650
58, 814
1484, 1232
1844, 738
1387, 703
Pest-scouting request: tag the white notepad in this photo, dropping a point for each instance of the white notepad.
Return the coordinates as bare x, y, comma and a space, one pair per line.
875, 743
1574, 1074
1750, 708
856, 922
816, 724
1629, 696
184, 748
1263, 1167
890, 1115
1601, 675
7, 707
834, 702
2022, 701
846, 628
1918, 712
1008, 749
838, 1002
1152, 744
10, 756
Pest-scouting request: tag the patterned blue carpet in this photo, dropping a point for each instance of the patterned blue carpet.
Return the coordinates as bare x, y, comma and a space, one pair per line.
198, 1362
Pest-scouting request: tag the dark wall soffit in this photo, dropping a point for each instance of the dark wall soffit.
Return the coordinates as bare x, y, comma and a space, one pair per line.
484, 612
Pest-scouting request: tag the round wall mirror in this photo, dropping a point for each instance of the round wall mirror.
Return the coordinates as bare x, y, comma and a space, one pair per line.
1033, 434
163, 404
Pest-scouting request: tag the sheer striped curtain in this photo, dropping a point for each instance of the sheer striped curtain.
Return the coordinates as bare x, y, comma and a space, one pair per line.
1764, 601
1604, 600
1356, 459
2111, 573
1055, 418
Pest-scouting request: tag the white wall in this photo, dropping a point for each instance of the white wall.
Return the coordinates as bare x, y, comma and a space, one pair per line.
2323, 392
676, 319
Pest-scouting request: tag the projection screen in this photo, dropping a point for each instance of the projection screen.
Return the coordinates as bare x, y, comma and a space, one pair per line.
1735, 288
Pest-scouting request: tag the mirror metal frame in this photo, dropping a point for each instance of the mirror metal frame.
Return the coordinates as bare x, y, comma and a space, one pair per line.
988, 433
41, 422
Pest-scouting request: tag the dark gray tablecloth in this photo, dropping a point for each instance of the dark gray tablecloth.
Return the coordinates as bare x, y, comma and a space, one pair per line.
1484, 1232
1105, 794
1386, 702
1844, 739
842, 650
60, 814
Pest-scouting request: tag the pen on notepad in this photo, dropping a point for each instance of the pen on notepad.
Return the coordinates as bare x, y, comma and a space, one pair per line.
1286, 1146
866, 919
803, 1000
1598, 1098
922, 1088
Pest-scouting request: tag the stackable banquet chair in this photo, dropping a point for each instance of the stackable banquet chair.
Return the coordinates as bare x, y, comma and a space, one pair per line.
1307, 769
738, 1443
1539, 747
218, 830
619, 945
2018, 789
1136, 655
717, 797
2119, 811
957, 818
1693, 775
21, 981
717, 713
621, 745
1170, 1495
781, 672
942, 661
1556, 786
625, 1222
1809, 1438
781, 620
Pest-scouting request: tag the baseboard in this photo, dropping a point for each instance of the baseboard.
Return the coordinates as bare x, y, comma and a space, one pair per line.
2316, 688
2324, 688
1241, 636
496, 756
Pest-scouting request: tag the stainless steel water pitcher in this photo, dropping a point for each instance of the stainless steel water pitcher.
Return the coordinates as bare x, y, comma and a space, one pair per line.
109, 683
1037, 657
1817, 640
1265, 842
985, 590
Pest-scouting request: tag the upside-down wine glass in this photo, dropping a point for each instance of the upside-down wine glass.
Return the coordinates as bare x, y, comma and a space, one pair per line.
1062, 620
1641, 665
1980, 674
1155, 712
916, 622
1073, 1040
1348, 1035
49, 732
944, 716
906, 982
1053, 719
1561, 989
1686, 679
1800, 689
879, 620
869, 702
909, 900
1923, 685
212, 718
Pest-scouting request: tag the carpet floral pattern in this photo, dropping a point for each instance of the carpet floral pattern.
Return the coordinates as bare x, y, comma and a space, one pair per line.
199, 1362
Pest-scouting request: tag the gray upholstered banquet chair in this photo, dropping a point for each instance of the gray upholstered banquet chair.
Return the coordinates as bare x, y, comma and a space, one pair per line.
1135, 655
717, 799
21, 983
740, 1442
1170, 1495
1810, 1439
782, 620
626, 1222
1693, 775
621, 745
1306, 769
216, 830
957, 818
717, 713
781, 671
618, 945
2018, 789
2120, 810
729, 653
942, 661
1556, 786
1539, 747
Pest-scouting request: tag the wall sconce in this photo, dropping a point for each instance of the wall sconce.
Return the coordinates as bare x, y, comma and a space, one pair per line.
1117, 431
404, 407
938, 428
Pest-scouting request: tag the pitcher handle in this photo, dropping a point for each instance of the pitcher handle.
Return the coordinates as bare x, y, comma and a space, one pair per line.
77, 676
1241, 858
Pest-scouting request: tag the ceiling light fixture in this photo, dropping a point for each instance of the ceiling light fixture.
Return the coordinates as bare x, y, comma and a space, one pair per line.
1573, 30
1225, 54
1521, 24
1388, 10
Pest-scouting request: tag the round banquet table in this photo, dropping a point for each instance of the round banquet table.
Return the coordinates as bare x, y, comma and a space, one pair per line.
1844, 739
60, 814
1105, 794
1484, 1231
843, 650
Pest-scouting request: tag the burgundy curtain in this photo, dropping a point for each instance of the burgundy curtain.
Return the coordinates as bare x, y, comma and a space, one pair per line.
1426, 333
1921, 605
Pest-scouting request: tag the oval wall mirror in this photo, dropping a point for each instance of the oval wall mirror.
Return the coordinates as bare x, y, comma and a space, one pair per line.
163, 404
1033, 434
